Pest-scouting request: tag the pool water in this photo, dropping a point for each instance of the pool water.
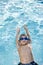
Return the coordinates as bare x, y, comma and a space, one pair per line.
16, 13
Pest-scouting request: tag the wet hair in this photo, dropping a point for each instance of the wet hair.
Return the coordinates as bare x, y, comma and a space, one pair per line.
22, 35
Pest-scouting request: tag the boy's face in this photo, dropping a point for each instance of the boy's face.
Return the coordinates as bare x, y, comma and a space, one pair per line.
24, 40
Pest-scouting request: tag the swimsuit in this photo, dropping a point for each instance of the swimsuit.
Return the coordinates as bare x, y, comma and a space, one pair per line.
31, 63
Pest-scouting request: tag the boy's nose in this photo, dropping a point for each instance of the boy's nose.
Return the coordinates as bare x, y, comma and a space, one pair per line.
24, 40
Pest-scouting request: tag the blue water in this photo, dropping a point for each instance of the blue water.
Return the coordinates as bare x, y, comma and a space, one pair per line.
14, 13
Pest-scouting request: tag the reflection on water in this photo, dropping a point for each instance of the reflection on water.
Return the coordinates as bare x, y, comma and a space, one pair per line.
17, 13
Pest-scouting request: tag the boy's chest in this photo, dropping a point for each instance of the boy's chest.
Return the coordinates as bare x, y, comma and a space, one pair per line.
24, 50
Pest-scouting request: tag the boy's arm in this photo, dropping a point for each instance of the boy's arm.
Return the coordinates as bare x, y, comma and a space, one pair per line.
26, 29
17, 36
27, 32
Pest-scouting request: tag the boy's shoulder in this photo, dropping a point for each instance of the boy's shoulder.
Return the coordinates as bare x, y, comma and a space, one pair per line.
30, 46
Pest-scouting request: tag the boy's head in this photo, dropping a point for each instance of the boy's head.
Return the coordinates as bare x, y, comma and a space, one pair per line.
24, 39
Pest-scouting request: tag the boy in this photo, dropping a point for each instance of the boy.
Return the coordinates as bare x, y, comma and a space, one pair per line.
23, 42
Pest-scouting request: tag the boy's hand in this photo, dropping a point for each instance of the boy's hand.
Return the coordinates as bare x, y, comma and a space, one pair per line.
18, 29
25, 26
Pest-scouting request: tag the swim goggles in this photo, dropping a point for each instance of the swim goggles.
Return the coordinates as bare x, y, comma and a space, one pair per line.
25, 38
